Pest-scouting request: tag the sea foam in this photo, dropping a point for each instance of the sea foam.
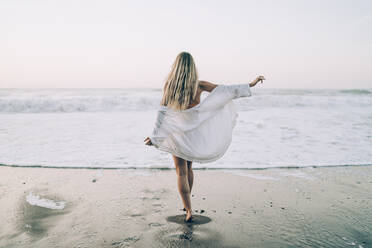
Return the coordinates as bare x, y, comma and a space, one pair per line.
105, 128
36, 200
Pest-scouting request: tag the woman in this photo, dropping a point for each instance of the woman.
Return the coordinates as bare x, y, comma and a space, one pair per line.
194, 131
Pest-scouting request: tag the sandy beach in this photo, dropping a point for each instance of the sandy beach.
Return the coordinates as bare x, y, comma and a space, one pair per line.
308, 207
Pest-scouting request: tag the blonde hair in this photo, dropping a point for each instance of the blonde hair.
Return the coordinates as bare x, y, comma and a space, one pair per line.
182, 83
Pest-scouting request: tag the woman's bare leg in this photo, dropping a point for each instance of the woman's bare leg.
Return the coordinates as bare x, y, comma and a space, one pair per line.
190, 174
183, 184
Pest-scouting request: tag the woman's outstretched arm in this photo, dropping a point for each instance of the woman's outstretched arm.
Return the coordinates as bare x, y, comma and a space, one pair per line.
257, 80
207, 86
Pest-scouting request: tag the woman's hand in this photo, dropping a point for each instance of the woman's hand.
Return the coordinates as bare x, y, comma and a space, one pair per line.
148, 141
257, 80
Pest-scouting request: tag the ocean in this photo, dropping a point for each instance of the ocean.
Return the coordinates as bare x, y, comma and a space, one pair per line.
105, 128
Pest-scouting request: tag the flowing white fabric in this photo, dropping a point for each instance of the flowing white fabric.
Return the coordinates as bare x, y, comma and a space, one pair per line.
202, 133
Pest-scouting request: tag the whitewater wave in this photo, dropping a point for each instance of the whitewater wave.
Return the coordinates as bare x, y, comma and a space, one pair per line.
120, 100
68, 100
357, 91
106, 128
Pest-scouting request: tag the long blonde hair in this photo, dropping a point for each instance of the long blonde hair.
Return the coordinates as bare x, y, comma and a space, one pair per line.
182, 83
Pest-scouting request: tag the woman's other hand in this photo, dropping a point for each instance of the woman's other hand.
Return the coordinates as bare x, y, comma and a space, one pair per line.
257, 80
148, 141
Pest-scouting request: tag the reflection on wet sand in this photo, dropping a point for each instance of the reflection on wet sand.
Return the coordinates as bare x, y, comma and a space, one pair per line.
196, 219
191, 234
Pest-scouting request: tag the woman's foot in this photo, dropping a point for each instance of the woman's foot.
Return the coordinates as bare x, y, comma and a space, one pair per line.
188, 217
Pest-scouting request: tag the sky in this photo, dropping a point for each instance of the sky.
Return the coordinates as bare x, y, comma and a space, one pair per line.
132, 44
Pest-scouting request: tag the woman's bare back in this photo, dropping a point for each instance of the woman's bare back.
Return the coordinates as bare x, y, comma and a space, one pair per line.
203, 86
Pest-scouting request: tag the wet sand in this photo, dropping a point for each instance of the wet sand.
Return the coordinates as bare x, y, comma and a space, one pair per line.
309, 207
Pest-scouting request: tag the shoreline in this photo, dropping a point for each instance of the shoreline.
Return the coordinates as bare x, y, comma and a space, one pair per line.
172, 168
328, 207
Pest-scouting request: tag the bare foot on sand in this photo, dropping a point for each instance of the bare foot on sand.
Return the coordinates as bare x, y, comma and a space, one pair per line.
188, 217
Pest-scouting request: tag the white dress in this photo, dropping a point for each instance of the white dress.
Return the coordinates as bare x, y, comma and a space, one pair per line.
202, 133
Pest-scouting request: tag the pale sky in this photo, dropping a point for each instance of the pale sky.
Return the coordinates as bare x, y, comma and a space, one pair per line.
120, 44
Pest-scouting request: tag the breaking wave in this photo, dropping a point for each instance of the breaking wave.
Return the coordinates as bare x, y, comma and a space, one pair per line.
119, 100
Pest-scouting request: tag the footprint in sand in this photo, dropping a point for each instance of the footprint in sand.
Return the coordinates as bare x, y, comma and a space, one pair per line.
125, 242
